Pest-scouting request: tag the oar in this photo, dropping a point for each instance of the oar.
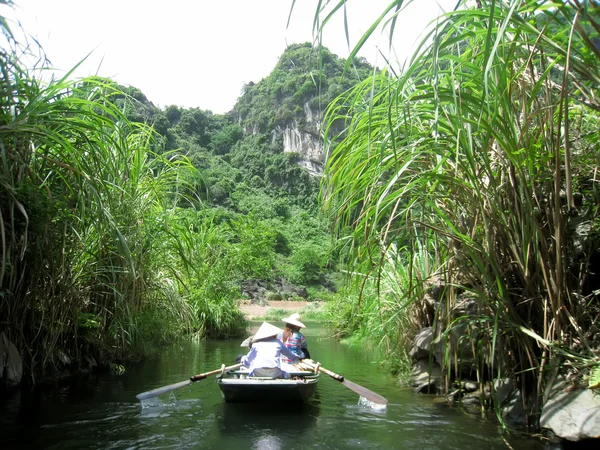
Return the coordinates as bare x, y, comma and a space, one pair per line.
172, 387
360, 390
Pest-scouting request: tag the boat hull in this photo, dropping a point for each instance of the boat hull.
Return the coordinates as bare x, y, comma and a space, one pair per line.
241, 389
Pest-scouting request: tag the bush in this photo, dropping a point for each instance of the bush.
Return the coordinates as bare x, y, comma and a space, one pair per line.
308, 262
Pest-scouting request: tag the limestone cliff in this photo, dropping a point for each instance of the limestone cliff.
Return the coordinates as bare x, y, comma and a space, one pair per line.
304, 137
288, 105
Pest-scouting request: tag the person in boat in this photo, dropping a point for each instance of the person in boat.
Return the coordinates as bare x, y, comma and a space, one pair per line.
293, 338
264, 357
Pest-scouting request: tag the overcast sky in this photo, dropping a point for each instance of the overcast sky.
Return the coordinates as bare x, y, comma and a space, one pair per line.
199, 53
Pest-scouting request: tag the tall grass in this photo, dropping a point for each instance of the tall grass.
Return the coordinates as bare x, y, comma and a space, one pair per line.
379, 309
83, 203
477, 154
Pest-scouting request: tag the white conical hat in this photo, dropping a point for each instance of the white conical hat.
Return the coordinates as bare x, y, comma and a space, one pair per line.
294, 319
266, 330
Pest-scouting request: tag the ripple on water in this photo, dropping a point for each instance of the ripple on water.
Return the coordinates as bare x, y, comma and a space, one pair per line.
104, 414
370, 405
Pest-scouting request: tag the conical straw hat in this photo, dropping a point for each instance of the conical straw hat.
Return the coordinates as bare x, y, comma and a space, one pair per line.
266, 330
294, 319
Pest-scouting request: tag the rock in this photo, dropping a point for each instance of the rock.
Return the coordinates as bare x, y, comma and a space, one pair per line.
502, 389
571, 414
469, 386
513, 412
304, 138
13, 369
427, 375
510, 400
453, 396
436, 287
4, 344
466, 305
329, 285
63, 358
91, 361
286, 289
255, 290
471, 399
457, 339
422, 344
581, 230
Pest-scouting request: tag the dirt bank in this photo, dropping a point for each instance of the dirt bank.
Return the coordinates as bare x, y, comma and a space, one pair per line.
251, 311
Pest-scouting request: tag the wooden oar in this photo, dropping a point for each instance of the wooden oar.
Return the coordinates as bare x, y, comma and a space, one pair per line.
357, 388
172, 387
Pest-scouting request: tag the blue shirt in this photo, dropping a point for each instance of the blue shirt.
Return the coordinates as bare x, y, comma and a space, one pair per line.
266, 353
295, 343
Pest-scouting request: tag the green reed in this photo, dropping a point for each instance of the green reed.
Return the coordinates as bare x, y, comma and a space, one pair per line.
82, 224
470, 155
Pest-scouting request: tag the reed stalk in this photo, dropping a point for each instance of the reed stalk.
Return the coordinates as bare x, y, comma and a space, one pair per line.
466, 155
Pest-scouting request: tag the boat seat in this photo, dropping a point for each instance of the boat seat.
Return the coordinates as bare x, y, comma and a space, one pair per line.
295, 373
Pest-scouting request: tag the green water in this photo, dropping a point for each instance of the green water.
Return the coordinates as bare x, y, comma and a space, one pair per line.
101, 412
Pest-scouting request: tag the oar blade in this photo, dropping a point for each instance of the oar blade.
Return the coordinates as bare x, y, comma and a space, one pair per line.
162, 390
364, 392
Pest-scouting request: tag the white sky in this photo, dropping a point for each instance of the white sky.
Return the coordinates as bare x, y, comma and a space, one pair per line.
199, 53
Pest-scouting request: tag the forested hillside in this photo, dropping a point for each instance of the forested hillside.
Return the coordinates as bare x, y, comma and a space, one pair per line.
244, 171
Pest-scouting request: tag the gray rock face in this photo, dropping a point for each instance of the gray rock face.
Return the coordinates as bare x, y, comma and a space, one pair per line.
11, 367
422, 344
572, 415
304, 138
308, 147
426, 375
257, 290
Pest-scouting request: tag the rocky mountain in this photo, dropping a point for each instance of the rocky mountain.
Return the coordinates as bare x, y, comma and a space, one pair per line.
289, 104
271, 143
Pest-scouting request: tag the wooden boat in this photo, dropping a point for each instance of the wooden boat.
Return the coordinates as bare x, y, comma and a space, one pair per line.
236, 387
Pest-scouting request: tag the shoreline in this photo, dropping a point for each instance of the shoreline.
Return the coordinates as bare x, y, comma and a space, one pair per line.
252, 311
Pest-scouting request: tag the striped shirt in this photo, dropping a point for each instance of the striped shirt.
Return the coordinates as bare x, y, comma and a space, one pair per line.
295, 343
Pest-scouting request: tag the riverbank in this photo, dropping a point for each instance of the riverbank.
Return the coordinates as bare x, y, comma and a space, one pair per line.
253, 311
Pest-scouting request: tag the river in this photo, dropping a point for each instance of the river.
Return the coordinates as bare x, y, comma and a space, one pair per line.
101, 411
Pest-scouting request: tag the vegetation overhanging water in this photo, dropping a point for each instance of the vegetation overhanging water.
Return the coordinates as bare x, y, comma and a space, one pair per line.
102, 411
462, 191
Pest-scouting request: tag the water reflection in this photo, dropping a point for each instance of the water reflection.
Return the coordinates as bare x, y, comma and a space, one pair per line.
267, 442
265, 423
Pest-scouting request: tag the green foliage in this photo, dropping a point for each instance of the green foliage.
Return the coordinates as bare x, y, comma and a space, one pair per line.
91, 265
223, 140
125, 226
315, 311
309, 312
594, 377
275, 314
303, 73
117, 369
81, 194
471, 155
308, 262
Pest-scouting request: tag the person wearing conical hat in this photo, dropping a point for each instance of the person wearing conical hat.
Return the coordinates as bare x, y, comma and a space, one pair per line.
293, 339
264, 357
